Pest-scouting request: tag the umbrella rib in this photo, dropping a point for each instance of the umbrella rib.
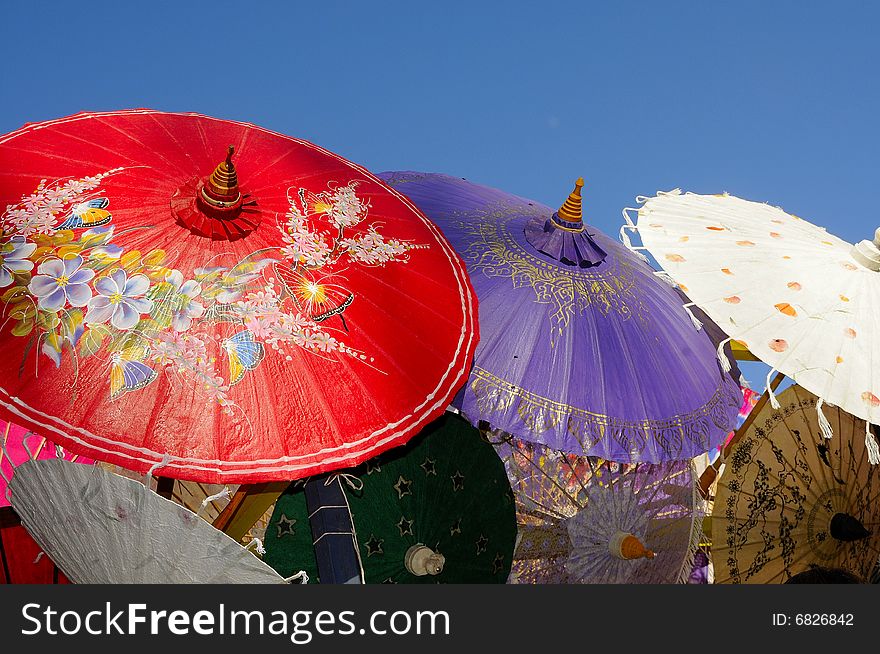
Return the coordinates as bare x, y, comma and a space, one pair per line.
555, 483
142, 146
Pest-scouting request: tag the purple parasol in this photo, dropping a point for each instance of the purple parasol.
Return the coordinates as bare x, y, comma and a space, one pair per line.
582, 347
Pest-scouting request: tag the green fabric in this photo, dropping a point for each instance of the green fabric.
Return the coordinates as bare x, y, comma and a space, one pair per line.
288, 537
446, 489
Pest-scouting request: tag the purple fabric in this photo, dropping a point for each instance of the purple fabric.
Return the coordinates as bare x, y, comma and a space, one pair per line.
560, 243
602, 361
700, 572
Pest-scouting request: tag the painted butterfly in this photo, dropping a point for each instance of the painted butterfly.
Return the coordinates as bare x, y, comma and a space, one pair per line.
128, 373
244, 353
316, 298
91, 213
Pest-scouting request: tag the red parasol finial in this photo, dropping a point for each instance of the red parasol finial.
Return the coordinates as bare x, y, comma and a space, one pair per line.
221, 189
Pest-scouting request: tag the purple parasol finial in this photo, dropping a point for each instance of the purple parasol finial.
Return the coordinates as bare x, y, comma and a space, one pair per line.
563, 236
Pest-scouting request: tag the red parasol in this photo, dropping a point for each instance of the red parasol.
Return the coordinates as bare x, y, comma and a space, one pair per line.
286, 315
21, 559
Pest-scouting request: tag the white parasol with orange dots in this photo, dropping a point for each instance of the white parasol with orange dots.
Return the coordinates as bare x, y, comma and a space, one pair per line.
802, 300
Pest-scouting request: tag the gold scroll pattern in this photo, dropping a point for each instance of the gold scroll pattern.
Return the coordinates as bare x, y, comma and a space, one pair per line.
539, 415
494, 252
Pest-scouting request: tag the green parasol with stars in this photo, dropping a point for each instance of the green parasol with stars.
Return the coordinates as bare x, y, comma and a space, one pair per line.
437, 510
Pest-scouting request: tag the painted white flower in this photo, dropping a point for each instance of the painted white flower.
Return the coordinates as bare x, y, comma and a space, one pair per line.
345, 208
14, 259
61, 281
322, 341
372, 249
120, 300
186, 308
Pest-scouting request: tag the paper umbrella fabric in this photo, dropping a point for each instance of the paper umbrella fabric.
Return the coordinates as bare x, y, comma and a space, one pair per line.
102, 528
582, 348
18, 445
587, 520
788, 497
799, 298
231, 303
446, 491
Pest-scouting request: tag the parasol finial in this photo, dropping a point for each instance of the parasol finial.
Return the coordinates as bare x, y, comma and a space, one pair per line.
421, 560
221, 189
571, 211
563, 237
627, 546
867, 253
847, 528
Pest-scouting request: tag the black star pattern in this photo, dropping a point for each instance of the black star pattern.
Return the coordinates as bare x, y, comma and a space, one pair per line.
374, 545
402, 487
482, 542
498, 564
457, 481
373, 466
455, 528
429, 466
285, 526
405, 526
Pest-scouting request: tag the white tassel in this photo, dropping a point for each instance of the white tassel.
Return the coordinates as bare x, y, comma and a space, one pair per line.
773, 401
354, 483
694, 319
871, 444
211, 498
824, 425
743, 382
722, 355
259, 546
300, 576
624, 237
166, 459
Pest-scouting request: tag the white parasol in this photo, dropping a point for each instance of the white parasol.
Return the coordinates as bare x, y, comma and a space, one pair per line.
800, 299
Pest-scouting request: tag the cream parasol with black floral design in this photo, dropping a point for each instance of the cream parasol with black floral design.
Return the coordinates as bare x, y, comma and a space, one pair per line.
788, 497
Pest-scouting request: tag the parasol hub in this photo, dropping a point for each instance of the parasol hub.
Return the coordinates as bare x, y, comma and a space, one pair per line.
220, 190
562, 236
867, 252
847, 528
215, 207
628, 547
421, 560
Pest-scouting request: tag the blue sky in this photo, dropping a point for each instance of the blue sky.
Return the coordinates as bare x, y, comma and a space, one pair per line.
775, 102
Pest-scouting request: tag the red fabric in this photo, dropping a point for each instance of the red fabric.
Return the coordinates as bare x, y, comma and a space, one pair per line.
411, 325
18, 551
